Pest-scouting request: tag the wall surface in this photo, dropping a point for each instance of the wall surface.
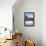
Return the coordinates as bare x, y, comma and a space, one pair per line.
33, 33
43, 22
6, 13
38, 32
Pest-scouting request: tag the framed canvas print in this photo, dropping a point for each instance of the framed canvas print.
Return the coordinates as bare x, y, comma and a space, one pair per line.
28, 18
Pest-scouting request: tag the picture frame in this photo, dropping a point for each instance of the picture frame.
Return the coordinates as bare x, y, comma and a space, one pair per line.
29, 18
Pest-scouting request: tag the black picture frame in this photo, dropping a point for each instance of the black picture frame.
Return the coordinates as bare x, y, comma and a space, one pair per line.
29, 18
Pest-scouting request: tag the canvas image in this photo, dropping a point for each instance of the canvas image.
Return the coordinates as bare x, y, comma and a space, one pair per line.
28, 18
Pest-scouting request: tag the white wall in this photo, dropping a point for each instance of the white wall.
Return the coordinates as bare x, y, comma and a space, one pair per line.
40, 20
6, 13
43, 22
33, 33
